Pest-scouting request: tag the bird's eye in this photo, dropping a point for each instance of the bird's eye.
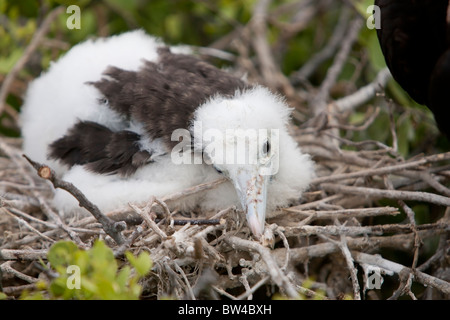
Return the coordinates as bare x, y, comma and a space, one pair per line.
104, 101
266, 147
218, 170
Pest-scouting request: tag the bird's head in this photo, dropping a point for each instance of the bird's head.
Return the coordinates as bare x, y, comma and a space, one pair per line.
243, 137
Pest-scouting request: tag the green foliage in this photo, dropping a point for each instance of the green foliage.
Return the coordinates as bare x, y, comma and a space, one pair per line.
306, 294
202, 23
92, 274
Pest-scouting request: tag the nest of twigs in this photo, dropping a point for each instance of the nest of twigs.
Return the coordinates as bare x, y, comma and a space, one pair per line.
354, 233
335, 240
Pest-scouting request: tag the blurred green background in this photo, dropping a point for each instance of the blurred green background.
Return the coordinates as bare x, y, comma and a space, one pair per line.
208, 23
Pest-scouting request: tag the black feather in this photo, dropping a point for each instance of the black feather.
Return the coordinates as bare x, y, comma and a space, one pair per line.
163, 95
415, 40
100, 149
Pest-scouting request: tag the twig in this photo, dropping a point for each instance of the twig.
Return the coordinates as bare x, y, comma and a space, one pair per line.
311, 294
188, 285
243, 279
305, 230
224, 293
259, 23
345, 213
270, 71
202, 222
58, 222
371, 118
6, 268
252, 290
401, 242
411, 217
35, 41
275, 272
389, 194
193, 190
392, 127
365, 93
27, 225
286, 245
419, 276
326, 53
144, 213
384, 170
320, 100
342, 245
111, 227
125, 246
9, 254
15, 290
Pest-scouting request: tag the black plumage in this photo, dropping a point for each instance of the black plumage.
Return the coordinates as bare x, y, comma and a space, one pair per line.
100, 149
162, 96
415, 40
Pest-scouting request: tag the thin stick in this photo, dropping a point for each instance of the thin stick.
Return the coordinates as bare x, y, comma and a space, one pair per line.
346, 213
272, 267
320, 101
331, 230
326, 53
252, 290
35, 41
150, 222
6, 268
112, 228
342, 245
180, 271
419, 276
10, 254
365, 93
27, 225
389, 194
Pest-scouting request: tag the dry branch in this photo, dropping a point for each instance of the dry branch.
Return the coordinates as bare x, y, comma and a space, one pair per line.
389, 194
321, 99
421, 277
364, 94
326, 53
112, 228
35, 41
272, 268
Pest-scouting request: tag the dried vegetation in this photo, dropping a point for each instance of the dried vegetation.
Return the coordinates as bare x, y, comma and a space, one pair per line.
358, 221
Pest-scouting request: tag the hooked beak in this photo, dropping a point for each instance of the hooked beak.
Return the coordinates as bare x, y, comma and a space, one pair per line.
251, 187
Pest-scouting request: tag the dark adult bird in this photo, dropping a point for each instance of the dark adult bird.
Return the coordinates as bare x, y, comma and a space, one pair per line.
127, 118
415, 40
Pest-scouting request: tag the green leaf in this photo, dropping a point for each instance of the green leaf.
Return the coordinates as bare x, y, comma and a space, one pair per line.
405, 133
142, 263
362, 5
58, 286
7, 63
102, 260
123, 277
61, 253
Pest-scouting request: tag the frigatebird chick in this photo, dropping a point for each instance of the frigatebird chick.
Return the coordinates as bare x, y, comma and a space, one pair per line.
126, 118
